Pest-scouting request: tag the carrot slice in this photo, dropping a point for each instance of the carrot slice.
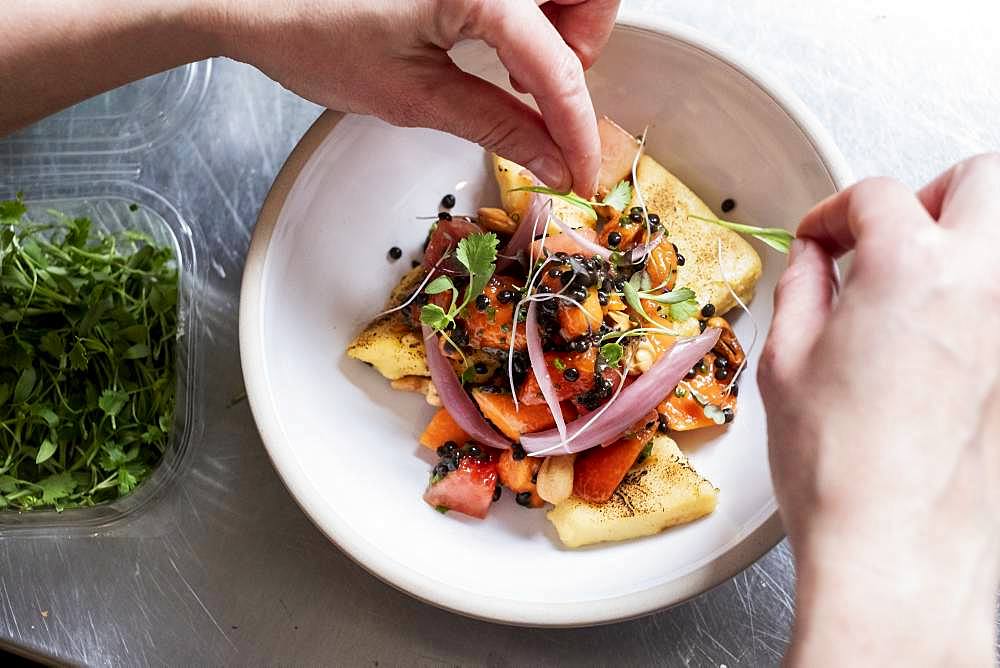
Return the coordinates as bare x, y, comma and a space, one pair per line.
441, 429
518, 475
574, 322
499, 409
598, 472
685, 413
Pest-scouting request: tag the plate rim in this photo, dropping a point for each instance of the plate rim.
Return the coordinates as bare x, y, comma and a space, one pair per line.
538, 614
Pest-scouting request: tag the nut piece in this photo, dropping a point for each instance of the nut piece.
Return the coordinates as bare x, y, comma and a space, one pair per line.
420, 384
496, 220
555, 479
727, 346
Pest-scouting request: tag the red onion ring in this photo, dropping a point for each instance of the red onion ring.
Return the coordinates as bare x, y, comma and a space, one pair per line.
537, 358
632, 404
454, 398
583, 242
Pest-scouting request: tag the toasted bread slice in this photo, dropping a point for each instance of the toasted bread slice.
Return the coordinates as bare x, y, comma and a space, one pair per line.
390, 343
661, 492
698, 241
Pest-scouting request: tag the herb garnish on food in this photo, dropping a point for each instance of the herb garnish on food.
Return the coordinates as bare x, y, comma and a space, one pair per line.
777, 238
88, 322
477, 253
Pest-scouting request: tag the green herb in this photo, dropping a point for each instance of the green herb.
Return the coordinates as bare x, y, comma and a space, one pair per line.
88, 323
612, 353
491, 313
618, 197
477, 253
680, 392
558, 364
777, 238
442, 509
469, 375
684, 309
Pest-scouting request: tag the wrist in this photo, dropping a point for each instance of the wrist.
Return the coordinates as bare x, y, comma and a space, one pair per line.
876, 605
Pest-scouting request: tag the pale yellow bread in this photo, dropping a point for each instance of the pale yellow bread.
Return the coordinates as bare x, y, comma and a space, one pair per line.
698, 241
661, 492
390, 343
511, 175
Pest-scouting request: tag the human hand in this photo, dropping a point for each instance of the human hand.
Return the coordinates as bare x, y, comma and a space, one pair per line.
389, 59
883, 401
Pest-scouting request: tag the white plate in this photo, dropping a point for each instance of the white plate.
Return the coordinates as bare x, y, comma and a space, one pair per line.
346, 445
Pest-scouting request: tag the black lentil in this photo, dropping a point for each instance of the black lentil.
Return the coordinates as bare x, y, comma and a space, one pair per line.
571, 374
567, 277
728, 205
708, 310
395, 252
543, 290
481, 368
614, 239
577, 256
728, 413
555, 272
702, 325
517, 452
444, 215
680, 260
602, 297
482, 303
448, 201
721, 373
505, 296
474, 450
523, 499
662, 425
497, 491
653, 219
579, 294
635, 216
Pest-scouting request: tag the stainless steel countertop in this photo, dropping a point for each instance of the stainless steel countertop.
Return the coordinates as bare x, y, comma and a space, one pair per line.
236, 574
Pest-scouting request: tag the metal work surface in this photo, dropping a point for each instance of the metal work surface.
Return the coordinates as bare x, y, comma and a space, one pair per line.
236, 574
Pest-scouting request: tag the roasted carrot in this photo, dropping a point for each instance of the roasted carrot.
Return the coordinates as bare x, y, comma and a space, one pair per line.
441, 429
575, 322
499, 409
598, 472
683, 409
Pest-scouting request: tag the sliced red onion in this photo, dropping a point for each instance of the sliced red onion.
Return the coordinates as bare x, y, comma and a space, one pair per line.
640, 252
526, 229
454, 398
642, 396
588, 245
537, 359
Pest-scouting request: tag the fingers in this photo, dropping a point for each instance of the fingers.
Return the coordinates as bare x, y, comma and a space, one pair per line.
803, 300
584, 24
873, 208
537, 57
442, 96
965, 195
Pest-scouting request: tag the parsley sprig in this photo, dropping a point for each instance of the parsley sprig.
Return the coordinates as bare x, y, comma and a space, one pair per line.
681, 303
88, 323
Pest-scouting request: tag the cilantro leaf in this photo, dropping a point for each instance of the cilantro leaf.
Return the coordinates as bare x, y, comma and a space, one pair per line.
777, 238
57, 486
619, 196
112, 401
478, 252
559, 364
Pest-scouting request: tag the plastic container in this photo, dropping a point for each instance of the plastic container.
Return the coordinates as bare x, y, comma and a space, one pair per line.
63, 163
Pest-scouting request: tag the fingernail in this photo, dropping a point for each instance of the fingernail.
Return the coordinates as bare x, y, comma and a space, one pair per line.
551, 172
798, 246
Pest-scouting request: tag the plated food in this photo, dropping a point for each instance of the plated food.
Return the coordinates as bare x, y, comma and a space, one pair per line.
565, 341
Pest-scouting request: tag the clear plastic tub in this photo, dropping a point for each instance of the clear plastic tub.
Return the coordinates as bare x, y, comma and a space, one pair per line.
58, 167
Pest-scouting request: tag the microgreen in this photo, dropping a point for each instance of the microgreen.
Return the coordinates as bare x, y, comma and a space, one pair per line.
88, 323
477, 253
612, 353
777, 238
618, 197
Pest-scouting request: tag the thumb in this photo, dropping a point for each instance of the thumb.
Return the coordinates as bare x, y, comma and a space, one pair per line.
445, 98
803, 300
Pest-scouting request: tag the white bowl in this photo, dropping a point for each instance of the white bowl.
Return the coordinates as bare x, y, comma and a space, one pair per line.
345, 444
